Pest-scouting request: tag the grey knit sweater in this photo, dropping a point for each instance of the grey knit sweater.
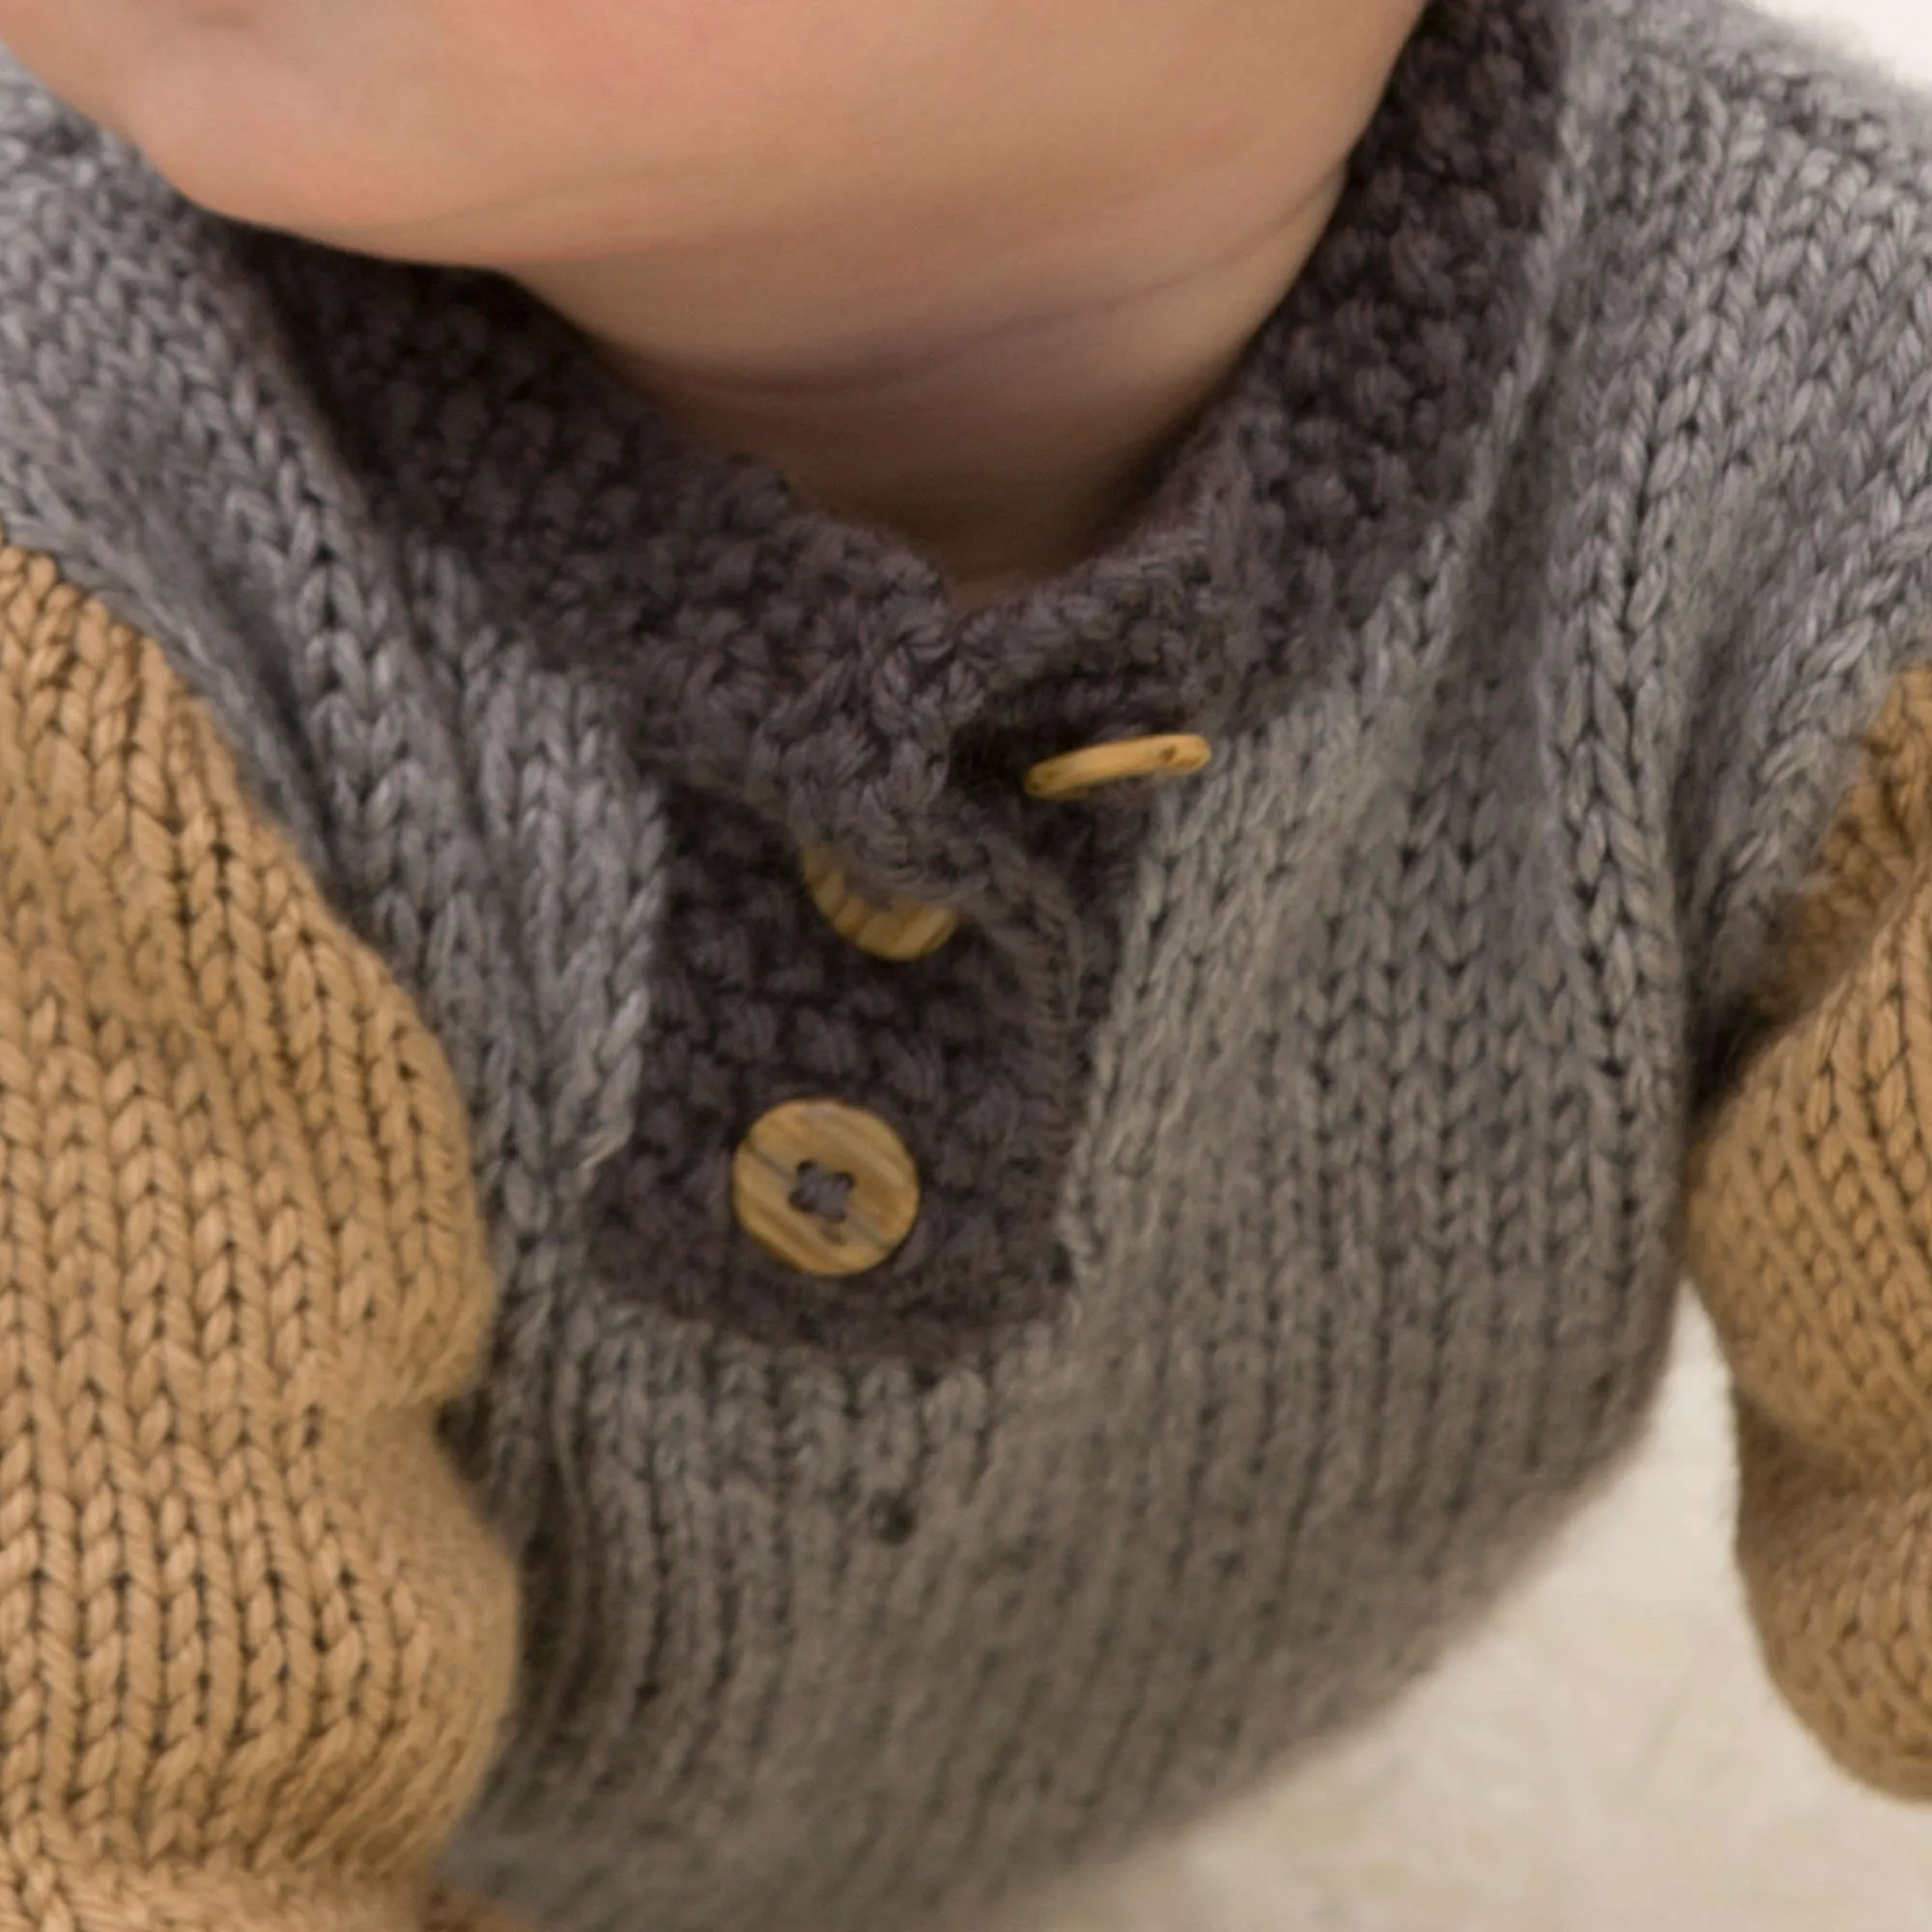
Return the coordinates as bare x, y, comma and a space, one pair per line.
1300, 1143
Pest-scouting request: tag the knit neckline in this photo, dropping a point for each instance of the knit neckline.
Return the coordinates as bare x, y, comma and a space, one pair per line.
742, 628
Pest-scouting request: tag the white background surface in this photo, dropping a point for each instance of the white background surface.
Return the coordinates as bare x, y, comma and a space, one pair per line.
1608, 1757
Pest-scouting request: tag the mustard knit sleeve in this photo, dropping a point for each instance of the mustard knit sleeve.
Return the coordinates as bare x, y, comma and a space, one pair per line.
255, 1643
1810, 1227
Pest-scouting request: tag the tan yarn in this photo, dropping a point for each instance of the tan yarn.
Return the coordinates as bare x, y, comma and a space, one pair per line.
1810, 1240
255, 1643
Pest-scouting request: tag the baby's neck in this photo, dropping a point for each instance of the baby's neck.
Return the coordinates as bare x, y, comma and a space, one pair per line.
999, 430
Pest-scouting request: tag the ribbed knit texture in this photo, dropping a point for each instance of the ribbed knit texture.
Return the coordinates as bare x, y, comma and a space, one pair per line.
255, 1643
1319, 1124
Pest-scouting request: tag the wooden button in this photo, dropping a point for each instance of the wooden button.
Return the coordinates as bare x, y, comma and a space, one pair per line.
1076, 772
827, 1188
898, 929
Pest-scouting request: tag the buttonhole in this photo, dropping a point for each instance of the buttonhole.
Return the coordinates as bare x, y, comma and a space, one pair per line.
822, 1193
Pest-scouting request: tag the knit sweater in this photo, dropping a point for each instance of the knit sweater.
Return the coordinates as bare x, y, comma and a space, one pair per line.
545, 1359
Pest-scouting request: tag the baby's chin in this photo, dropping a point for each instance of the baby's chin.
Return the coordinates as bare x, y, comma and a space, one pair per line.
363, 186
367, 208
242, 134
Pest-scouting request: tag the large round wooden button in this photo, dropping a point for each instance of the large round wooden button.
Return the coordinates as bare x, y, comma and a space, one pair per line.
1074, 774
827, 1188
898, 929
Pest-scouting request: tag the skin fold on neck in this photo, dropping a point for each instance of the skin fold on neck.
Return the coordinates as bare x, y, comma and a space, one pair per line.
1002, 453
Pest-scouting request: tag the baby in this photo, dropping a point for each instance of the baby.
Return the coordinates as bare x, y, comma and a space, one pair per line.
885, 889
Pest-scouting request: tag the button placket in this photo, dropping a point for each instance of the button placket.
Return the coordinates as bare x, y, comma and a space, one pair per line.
828, 1188
896, 847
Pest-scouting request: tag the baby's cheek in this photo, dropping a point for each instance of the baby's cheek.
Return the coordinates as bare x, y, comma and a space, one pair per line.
69, 48
316, 120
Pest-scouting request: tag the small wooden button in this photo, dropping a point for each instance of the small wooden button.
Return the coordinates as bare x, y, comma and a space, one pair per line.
1074, 774
827, 1188
898, 929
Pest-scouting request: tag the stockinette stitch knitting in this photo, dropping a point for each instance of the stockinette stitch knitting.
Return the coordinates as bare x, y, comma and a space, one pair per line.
1302, 1145
806, 684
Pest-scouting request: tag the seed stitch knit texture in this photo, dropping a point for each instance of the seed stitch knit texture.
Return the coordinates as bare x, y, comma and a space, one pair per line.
1309, 1150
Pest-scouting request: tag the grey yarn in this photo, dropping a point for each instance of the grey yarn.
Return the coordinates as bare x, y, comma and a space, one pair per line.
1301, 1142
